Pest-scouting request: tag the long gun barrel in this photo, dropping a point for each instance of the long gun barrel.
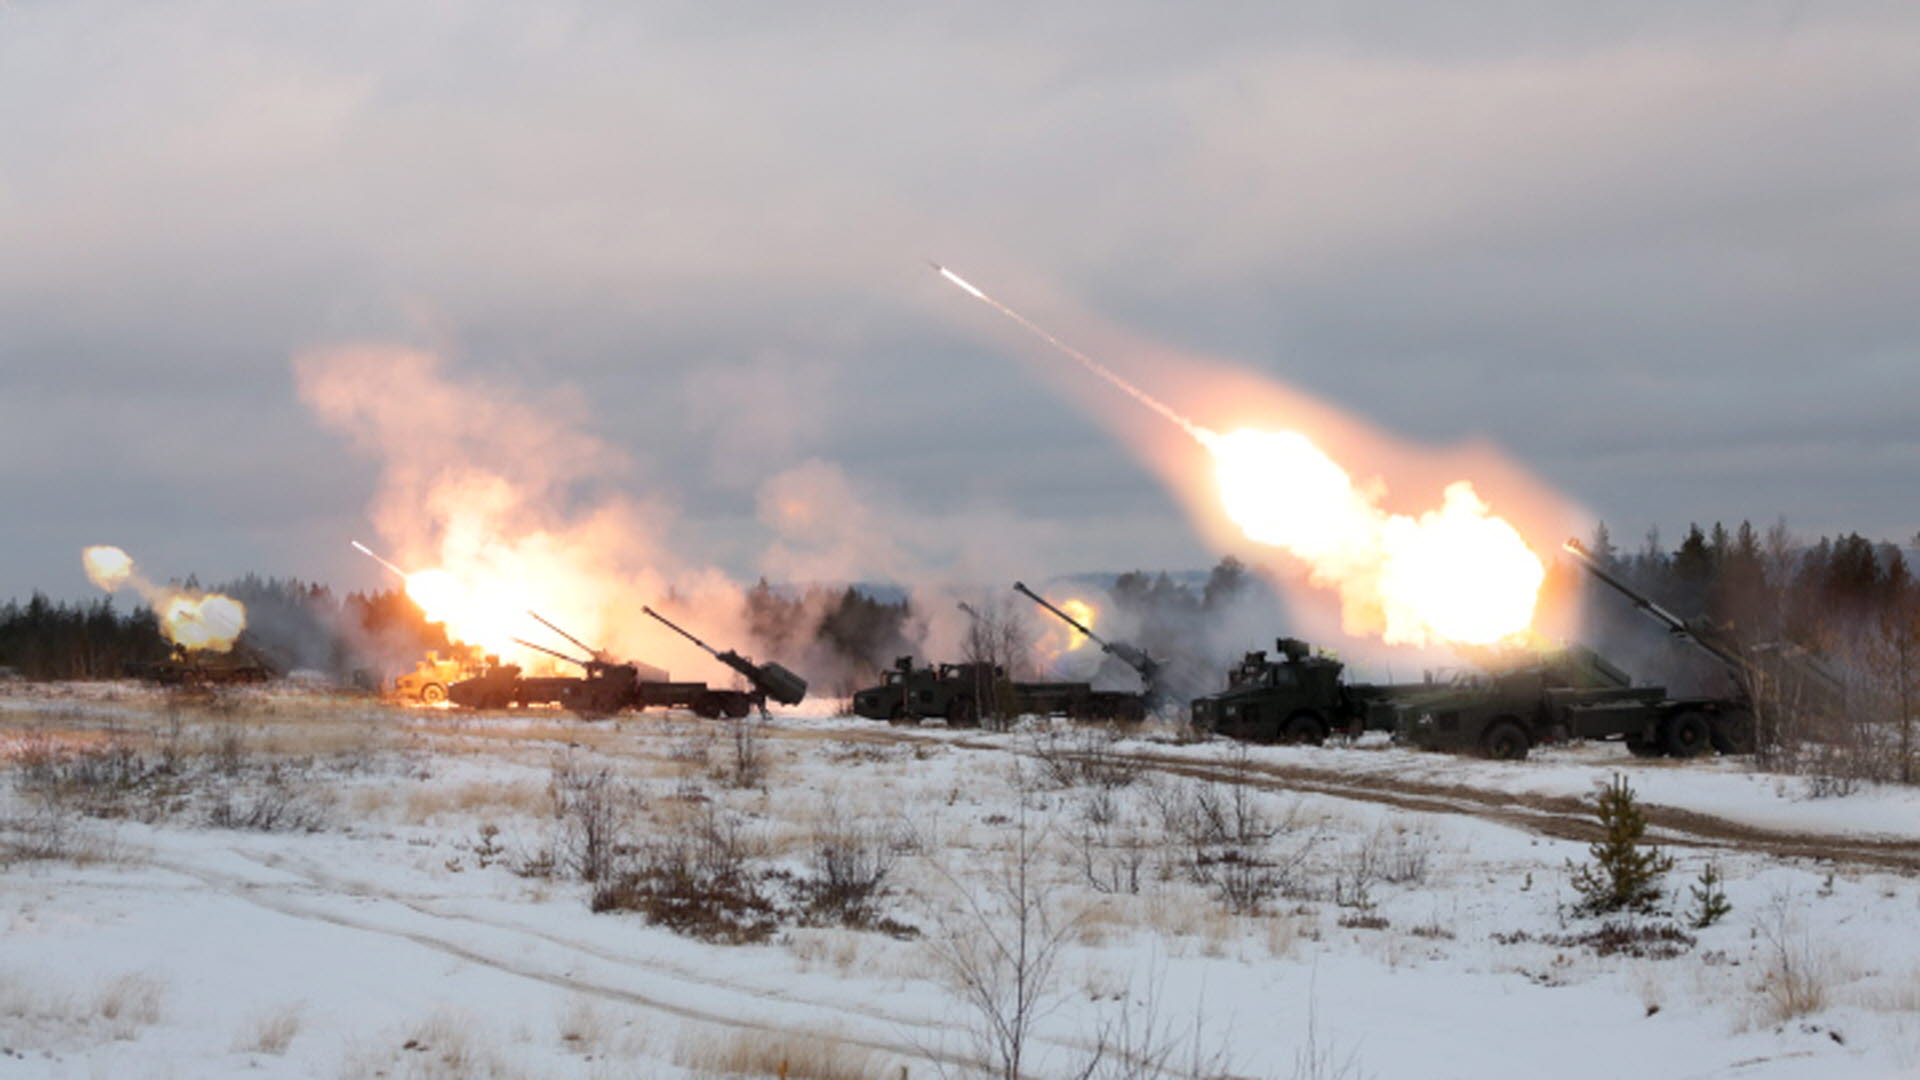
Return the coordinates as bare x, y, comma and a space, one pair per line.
1139, 661
588, 649
769, 679
1674, 623
1814, 679
550, 652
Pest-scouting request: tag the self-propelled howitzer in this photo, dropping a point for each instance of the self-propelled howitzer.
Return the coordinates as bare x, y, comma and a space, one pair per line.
1145, 666
769, 679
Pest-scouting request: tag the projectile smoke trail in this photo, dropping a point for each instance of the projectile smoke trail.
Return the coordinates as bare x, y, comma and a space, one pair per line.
1204, 436
368, 552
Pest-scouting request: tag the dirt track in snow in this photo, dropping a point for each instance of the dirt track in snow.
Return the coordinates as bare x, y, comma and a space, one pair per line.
1561, 817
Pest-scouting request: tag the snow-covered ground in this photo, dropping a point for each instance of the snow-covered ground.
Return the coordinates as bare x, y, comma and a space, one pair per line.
377, 903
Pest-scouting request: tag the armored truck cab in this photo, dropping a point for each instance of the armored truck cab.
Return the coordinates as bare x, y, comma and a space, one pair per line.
1296, 698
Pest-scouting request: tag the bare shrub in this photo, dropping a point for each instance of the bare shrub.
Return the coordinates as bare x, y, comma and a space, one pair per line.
1641, 940
848, 866
1796, 980
746, 760
1111, 854
595, 810
1223, 838
1000, 952
1083, 756
268, 808
697, 883
1134, 1042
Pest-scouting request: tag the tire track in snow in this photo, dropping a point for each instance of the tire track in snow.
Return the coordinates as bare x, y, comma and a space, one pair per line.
266, 895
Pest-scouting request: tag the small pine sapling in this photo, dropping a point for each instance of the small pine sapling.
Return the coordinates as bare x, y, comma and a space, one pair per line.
1621, 876
1710, 903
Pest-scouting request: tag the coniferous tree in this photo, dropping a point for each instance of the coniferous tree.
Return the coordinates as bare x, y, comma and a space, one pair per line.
1622, 876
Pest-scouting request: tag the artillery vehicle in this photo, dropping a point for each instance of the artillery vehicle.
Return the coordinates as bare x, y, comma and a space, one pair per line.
1298, 697
1559, 694
961, 693
608, 686
769, 680
241, 664
1576, 694
1143, 665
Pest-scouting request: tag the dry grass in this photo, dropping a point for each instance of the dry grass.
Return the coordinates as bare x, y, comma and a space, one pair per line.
41, 1015
818, 948
742, 1053
129, 1003
480, 798
444, 1046
271, 1031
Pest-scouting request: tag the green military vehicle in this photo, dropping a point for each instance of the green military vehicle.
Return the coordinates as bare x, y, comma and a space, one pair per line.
962, 693
1568, 693
194, 669
608, 686
1576, 694
1297, 698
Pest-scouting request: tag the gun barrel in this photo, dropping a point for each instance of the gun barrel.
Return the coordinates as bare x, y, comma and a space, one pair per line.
1021, 588
671, 625
550, 652
543, 621
1659, 614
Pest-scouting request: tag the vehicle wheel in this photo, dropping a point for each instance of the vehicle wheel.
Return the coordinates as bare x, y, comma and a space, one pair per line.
898, 716
1303, 728
1131, 713
963, 713
706, 707
737, 707
1640, 747
433, 693
1689, 735
1733, 732
1505, 741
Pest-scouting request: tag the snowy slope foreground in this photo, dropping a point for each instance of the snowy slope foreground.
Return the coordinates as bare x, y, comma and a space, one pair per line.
284, 885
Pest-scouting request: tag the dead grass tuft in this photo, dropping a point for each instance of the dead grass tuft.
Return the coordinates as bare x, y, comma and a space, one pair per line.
709, 1053
272, 1031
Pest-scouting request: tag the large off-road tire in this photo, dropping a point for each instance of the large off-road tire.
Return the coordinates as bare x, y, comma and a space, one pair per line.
1733, 732
707, 707
736, 706
1130, 713
1505, 740
1303, 727
963, 713
433, 694
1688, 735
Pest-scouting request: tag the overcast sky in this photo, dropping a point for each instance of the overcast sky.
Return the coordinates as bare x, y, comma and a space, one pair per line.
1664, 256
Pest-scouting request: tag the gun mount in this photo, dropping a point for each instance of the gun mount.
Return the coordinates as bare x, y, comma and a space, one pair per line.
1798, 676
1145, 666
769, 680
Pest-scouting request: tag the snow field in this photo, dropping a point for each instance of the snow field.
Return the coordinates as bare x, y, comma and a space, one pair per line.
403, 934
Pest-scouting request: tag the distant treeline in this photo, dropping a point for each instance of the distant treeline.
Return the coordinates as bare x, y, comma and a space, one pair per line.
1765, 587
291, 623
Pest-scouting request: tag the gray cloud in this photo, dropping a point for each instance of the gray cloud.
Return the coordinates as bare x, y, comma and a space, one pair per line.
1658, 255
